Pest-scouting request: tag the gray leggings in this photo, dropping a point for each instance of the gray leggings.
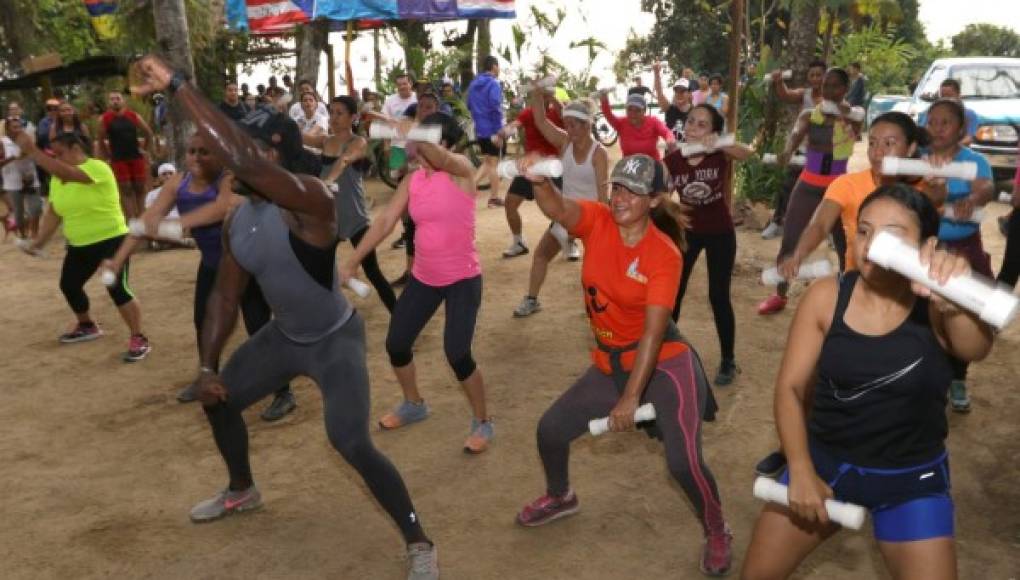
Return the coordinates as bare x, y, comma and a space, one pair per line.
337, 365
678, 399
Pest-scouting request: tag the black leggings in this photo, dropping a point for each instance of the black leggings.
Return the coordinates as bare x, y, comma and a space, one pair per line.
1010, 270
720, 253
81, 262
337, 365
415, 307
255, 312
679, 399
371, 267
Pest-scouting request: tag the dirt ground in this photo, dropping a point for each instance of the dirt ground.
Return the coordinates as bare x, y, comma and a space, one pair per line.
101, 464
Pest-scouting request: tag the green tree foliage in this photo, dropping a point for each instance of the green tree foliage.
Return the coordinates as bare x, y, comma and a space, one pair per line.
885, 58
987, 40
691, 33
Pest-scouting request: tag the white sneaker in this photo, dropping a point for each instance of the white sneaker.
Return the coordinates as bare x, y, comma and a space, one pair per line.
572, 253
527, 307
773, 230
423, 562
516, 249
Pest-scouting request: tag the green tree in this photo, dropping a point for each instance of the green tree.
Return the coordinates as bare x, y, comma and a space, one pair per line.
986, 40
885, 58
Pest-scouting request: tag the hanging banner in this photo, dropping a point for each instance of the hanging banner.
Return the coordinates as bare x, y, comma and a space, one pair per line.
278, 16
101, 13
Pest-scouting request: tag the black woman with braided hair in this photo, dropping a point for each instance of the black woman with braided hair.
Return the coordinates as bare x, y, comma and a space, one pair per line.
283, 234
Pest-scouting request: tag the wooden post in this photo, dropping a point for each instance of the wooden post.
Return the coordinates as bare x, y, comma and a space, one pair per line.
736, 41
330, 71
347, 58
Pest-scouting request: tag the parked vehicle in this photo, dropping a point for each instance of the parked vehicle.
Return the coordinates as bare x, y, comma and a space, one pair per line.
990, 87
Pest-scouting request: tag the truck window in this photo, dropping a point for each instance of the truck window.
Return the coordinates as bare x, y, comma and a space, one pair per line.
929, 91
988, 81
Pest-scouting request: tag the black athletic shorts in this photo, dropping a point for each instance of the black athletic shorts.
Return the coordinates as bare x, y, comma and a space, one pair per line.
521, 187
489, 148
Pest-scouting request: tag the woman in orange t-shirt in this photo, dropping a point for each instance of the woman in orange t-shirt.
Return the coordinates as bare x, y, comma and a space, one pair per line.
892, 134
630, 276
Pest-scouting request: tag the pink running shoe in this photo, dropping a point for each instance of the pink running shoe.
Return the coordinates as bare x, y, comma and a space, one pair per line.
548, 508
772, 305
718, 554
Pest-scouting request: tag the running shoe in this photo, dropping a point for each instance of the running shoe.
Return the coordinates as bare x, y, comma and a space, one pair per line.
573, 253
772, 465
225, 503
481, 433
772, 305
728, 370
283, 403
188, 394
958, 397
718, 554
422, 561
82, 332
773, 230
138, 348
527, 307
495, 202
407, 412
402, 280
516, 249
548, 508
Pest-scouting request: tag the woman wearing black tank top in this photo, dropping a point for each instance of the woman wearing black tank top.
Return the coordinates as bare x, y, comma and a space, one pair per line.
871, 355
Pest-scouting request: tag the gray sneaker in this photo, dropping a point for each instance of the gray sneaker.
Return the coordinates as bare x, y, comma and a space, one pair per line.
405, 414
516, 249
773, 230
423, 561
282, 404
958, 397
226, 502
527, 307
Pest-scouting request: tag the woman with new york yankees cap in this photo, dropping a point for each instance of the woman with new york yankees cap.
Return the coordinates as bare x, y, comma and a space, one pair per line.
630, 275
870, 353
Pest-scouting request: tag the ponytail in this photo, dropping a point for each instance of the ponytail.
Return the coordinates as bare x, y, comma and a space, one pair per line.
670, 218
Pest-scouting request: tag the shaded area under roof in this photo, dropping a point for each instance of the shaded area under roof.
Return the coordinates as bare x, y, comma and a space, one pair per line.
71, 73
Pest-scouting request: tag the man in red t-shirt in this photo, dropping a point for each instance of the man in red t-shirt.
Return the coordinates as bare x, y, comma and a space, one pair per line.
117, 142
520, 188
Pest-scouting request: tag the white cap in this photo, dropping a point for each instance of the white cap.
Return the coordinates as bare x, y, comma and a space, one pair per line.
166, 168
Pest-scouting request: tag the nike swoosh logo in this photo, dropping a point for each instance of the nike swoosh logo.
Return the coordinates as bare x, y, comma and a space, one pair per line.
878, 383
927, 475
233, 503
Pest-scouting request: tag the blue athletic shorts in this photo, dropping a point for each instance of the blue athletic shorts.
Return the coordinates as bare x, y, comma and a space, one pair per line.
906, 505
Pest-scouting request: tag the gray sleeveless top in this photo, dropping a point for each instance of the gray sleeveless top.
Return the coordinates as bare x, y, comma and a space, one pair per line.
351, 214
298, 280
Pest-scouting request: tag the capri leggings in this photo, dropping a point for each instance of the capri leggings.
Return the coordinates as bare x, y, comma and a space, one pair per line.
803, 201
337, 365
371, 267
255, 312
80, 263
678, 399
1010, 270
415, 307
720, 253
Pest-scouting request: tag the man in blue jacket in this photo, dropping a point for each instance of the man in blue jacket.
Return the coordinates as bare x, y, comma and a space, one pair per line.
485, 101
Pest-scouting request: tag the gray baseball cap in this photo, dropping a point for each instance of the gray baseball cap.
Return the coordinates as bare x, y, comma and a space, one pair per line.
636, 173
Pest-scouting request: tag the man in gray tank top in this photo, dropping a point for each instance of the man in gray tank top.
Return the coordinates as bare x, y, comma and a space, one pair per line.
285, 236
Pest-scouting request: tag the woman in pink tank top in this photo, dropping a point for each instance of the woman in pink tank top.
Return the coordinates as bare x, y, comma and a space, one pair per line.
440, 197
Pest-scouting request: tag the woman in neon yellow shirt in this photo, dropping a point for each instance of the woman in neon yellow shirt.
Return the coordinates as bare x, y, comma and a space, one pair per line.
84, 196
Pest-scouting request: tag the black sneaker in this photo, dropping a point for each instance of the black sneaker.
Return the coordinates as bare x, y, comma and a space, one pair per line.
728, 370
772, 465
188, 394
282, 404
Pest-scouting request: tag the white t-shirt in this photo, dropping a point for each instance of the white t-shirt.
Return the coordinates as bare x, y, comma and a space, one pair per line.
394, 107
150, 198
306, 125
13, 171
296, 113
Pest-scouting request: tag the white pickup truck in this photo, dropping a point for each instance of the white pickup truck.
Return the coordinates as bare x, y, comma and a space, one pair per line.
990, 87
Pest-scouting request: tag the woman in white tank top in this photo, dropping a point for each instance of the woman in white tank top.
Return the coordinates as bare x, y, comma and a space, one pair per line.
585, 176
